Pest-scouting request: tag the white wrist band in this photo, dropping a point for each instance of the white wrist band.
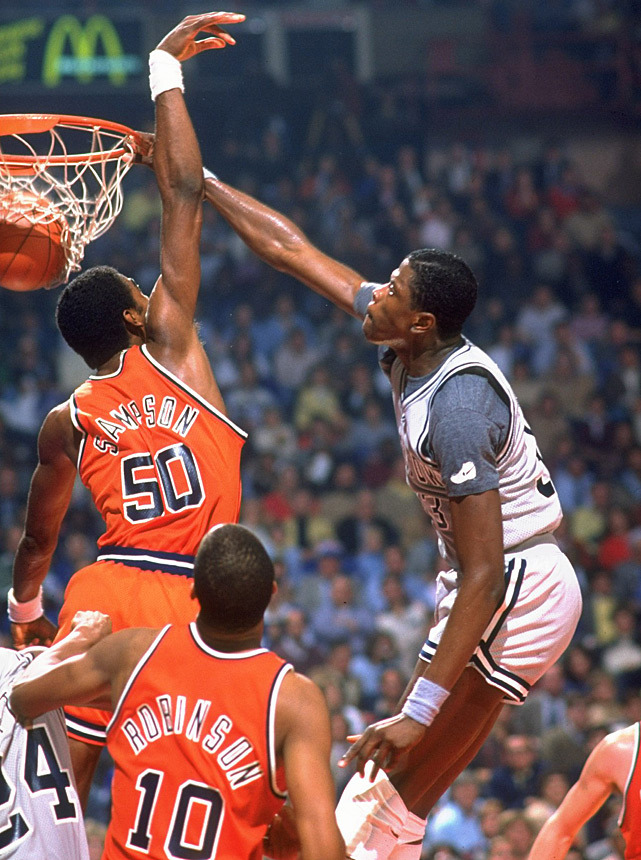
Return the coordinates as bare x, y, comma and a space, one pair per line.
22, 612
208, 174
165, 73
425, 701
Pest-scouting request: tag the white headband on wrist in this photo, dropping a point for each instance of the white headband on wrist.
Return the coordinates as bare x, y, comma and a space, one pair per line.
165, 73
22, 612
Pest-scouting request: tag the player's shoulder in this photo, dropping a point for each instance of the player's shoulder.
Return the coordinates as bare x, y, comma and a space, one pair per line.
613, 755
468, 388
299, 693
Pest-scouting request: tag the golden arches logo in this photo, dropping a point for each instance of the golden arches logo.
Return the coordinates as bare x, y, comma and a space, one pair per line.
82, 61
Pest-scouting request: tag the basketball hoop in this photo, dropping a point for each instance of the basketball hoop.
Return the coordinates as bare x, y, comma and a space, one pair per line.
75, 164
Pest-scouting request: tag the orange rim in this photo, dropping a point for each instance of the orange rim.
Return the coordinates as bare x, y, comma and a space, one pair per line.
34, 123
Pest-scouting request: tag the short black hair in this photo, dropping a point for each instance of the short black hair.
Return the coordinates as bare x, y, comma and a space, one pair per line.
444, 285
233, 578
89, 314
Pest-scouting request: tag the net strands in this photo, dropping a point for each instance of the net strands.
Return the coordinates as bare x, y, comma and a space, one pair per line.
77, 169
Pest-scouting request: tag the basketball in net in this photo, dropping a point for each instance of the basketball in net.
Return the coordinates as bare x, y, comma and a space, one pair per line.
33, 234
60, 188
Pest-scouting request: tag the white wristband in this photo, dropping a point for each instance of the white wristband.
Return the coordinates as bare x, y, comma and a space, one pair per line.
21, 612
208, 174
165, 73
425, 701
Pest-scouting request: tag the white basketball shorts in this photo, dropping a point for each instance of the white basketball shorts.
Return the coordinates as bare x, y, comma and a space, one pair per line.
531, 628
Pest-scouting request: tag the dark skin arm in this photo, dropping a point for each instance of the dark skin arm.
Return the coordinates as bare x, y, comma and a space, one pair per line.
303, 740
280, 243
93, 672
478, 537
49, 497
171, 335
169, 320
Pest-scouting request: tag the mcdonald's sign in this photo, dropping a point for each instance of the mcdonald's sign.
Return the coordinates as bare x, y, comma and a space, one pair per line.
86, 50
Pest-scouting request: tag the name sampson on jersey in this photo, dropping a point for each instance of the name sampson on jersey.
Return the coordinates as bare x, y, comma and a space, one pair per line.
131, 416
168, 717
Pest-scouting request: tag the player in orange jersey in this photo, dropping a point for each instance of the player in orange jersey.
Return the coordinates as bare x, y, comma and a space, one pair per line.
147, 431
206, 722
613, 767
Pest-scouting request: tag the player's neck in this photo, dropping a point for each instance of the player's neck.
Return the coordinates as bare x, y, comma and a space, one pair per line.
430, 357
230, 643
110, 366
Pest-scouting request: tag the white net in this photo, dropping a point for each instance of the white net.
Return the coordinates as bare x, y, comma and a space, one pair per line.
73, 166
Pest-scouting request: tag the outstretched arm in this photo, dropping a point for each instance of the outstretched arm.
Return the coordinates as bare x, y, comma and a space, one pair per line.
277, 241
49, 496
86, 667
171, 333
604, 772
303, 738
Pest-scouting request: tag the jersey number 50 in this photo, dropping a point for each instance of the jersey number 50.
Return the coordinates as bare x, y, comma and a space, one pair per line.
167, 481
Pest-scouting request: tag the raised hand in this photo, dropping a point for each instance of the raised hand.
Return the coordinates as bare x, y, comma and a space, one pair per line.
182, 43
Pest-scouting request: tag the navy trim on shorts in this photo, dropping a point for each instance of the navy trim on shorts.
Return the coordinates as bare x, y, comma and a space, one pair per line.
147, 559
515, 594
515, 687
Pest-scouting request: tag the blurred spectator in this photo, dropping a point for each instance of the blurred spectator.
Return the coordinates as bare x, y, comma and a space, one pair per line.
351, 529
298, 644
518, 777
248, 401
293, 363
622, 659
379, 655
317, 400
315, 587
342, 619
456, 821
519, 830
545, 706
405, 620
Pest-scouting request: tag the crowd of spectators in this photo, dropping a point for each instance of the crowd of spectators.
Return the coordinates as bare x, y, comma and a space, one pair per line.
323, 478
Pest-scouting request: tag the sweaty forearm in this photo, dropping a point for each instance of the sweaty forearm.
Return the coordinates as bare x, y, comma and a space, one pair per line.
177, 160
274, 238
30, 567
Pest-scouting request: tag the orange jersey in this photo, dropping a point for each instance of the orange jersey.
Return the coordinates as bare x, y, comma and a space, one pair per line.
630, 818
192, 739
161, 463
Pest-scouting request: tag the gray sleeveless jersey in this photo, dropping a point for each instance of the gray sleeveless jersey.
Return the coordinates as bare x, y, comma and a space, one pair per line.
529, 503
40, 814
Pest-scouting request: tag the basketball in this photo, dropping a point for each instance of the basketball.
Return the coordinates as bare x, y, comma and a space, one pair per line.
31, 251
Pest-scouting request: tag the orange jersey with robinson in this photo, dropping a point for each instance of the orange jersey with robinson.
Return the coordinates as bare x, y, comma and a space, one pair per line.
192, 739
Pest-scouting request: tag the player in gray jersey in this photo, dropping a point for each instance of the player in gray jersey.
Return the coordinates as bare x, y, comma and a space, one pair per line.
40, 814
508, 607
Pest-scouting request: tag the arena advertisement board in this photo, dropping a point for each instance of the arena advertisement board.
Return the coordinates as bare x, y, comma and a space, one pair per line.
70, 51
